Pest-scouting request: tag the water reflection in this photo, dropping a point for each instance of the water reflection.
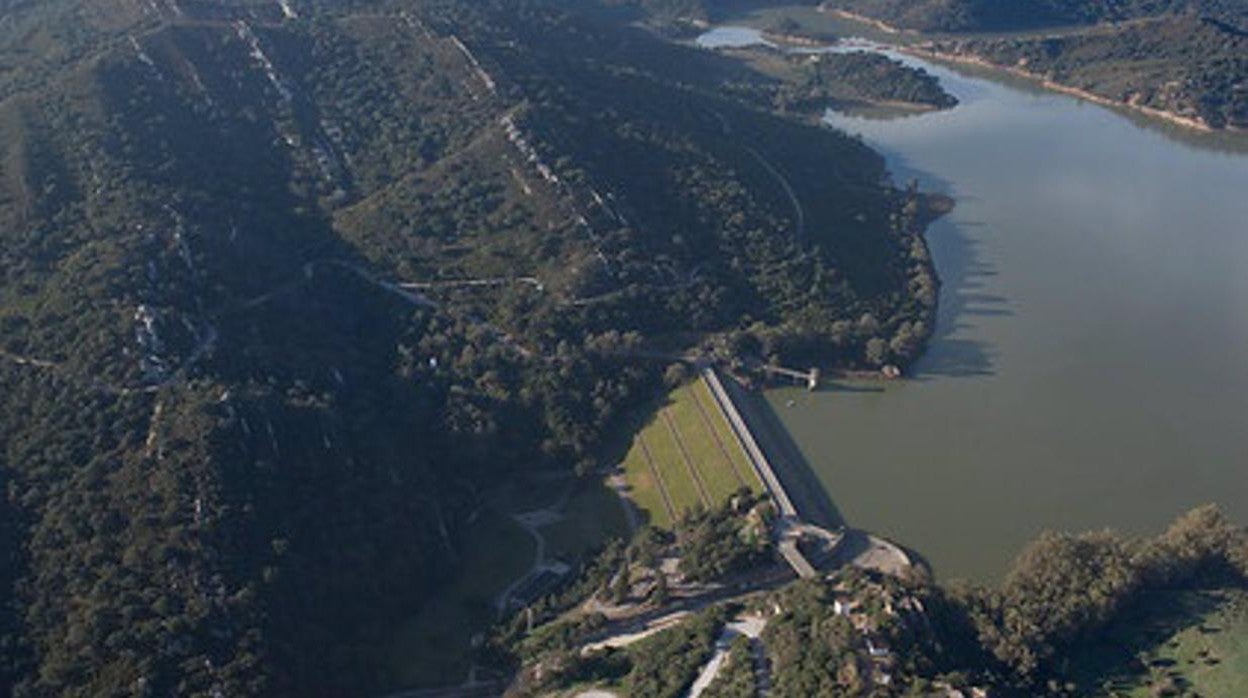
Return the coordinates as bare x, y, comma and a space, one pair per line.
961, 79
1086, 370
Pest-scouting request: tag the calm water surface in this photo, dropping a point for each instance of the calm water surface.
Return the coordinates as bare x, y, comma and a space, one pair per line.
1090, 368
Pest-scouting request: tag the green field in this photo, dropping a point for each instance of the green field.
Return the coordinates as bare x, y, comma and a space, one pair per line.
434, 647
1173, 643
592, 516
684, 457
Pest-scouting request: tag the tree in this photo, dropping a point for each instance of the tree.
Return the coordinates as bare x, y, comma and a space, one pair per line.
620, 585
876, 352
661, 592
1060, 587
905, 342
675, 375
1202, 540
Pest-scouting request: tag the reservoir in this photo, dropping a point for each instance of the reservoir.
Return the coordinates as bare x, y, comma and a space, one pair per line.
1090, 365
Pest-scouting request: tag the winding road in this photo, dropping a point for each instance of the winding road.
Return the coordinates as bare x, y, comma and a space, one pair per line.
799, 212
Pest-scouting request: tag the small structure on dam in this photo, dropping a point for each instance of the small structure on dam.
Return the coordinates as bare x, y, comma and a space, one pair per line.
807, 547
811, 378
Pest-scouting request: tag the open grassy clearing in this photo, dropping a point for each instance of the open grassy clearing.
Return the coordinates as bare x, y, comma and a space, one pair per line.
1173, 643
724, 435
433, 648
592, 516
685, 456
528, 493
719, 472
675, 471
644, 489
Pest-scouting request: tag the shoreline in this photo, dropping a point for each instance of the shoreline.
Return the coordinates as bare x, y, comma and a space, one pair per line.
927, 51
869, 21
758, 55
797, 39
848, 106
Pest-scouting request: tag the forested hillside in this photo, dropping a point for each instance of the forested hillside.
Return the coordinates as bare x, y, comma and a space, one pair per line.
1195, 69
994, 15
698, 11
861, 77
1185, 59
288, 286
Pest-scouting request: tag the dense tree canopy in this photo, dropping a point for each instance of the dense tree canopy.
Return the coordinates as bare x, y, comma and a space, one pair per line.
993, 15
284, 293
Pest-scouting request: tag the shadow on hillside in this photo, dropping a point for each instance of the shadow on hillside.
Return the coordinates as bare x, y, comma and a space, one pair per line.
619, 438
618, 441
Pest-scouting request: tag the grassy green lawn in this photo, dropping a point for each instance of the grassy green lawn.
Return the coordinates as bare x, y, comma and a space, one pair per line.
527, 494
644, 488
1193, 643
719, 425
672, 466
592, 516
709, 446
433, 648
712, 458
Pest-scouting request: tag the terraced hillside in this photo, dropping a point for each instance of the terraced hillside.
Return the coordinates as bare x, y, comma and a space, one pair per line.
686, 458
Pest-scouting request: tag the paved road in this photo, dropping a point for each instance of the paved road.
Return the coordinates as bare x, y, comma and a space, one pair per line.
473, 283
750, 626
772, 577
799, 212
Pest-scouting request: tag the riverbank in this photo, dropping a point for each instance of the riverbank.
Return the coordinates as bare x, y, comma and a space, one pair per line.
871, 22
814, 78
929, 52
1038, 405
801, 40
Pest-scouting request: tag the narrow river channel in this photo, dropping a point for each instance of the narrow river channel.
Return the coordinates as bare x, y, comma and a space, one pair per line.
1090, 367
